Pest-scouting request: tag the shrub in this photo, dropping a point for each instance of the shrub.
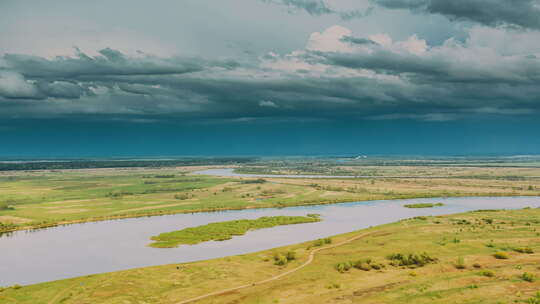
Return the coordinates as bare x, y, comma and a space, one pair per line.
253, 181
535, 299
476, 265
460, 263
362, 265
118, 193
5, 206
291, 255
529, 277
501, 255
183, 196
411, 259
334, 285
280, 260
343, 267
321, 242
528, 250
487, 273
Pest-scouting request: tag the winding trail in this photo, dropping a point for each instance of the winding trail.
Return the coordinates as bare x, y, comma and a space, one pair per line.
310, 259
61, 293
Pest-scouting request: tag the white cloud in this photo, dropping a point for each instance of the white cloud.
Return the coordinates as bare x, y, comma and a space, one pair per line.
414, 45
268, 104
13, 85
330, 40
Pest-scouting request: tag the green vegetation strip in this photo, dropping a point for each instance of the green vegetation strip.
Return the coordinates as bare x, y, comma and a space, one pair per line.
225, 230
423, 205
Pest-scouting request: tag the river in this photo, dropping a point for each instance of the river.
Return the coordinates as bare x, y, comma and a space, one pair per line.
29, 257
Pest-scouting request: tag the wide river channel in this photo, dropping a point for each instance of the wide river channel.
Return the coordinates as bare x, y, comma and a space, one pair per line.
29, 257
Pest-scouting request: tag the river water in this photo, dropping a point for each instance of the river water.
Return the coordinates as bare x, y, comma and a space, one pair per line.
28, 257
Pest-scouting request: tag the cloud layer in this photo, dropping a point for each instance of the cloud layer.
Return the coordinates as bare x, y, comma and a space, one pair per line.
338, 75
520, 13
321, 7
493, 13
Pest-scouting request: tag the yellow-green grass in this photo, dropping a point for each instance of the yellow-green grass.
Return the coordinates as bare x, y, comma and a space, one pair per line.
222, 231
44, 198
465, 271
479, 171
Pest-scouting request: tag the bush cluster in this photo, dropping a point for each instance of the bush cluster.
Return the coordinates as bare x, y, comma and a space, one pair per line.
487, 273
528, 250
118, 194
529, 277
501, 255
365, 264
411, 259
281, 259
535, 299
253, 181
321, 242
5, 206
183, 196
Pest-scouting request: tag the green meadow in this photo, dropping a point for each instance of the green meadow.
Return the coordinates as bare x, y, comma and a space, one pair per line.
222, 231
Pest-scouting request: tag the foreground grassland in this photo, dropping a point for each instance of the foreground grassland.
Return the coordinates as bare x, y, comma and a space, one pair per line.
476, 257
37, 199
222, 231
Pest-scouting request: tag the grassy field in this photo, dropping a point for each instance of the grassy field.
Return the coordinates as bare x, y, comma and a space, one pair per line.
476, 257
37, 199
222, 231
476, 171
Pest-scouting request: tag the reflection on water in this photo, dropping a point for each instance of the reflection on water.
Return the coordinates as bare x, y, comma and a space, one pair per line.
95, 247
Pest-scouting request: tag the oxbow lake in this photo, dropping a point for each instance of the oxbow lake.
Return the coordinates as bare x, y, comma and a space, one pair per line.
68, 251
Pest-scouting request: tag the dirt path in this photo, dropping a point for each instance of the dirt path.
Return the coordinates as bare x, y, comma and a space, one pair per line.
61, 293
277, 277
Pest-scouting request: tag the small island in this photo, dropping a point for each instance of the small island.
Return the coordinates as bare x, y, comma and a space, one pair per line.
222, 231
423, 205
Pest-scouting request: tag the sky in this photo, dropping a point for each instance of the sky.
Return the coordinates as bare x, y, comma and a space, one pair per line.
269, 77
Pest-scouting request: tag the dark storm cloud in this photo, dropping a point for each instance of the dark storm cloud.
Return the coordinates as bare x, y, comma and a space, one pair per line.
34, 77
433, 86
356, 40
313, 7
319, 7
521, 13
516, 13
110, 62
437, 68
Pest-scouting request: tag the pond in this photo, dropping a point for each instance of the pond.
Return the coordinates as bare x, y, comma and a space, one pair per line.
62, 252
